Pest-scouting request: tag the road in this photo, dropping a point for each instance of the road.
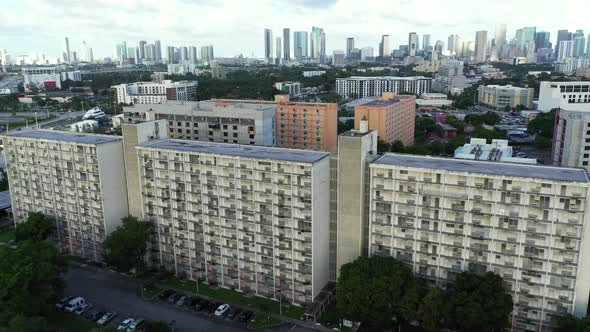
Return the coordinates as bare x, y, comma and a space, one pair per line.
112, 291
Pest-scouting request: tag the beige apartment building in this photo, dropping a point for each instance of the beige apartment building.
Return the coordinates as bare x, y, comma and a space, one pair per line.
523, 222
251, 218
500, 96
76, 179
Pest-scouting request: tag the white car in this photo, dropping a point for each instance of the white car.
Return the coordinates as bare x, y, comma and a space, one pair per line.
125, 324
221, 310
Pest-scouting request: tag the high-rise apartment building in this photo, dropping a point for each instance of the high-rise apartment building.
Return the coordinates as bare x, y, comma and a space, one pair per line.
214, 120
579, 47
412, 44
192, 54
542, 40
141, 48
384, 49
391, 116
374, 86
268, 44
207, 55
318, 43
349, 46
453, 44
571, 141
153, 93
278, 49
500, 38
77, 180
300, 45
287, 44
523, 222
158, 47
562, 35
481, 41
68, 58
426, 42
184, 54
254, 219
171, 55
565, 49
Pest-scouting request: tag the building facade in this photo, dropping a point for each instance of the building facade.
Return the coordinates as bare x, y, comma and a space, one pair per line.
522, 222
569, 95
393, 117
571, 139
499, 97
368, 86
77, 180
293, 89
254, 219
47, 78
153, 93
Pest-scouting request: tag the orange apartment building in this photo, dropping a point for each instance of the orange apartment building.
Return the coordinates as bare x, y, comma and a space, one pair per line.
392, 116
303, 125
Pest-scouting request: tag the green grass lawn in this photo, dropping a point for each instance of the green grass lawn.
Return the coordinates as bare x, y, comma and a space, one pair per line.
64, 322
261, 321
7, 235
150, 292
231, 296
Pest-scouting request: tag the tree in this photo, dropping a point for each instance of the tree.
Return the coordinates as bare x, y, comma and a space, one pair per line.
542, 142
37, 228
430, 313
376, 289
26, 324
478, 303
543, 124
423, 127
383, 146
156, 326
344, 126
125, 247
455, 122
569, 323
30, 279
396, 146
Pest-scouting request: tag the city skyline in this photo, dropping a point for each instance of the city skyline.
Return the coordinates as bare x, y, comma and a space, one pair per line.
364, 23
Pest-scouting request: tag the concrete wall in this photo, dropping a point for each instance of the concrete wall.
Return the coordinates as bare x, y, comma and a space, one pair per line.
111, 171
320, 179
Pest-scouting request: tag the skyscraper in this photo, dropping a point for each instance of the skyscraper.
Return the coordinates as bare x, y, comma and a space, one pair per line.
426, 42
171, 54
278, 49
453, 44
524, 37
349, 46
500, 38
192, 52
207, 54
267, 44
142, 44
481, 41
183, 54
318, 43
384, 49
542, 40
158, 46
561, 36
68, 58
579, 45
565, 49
412, 43
287, 44
122, 51
300, 46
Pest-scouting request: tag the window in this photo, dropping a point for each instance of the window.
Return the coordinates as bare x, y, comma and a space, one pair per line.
235, 134
235, 127
224, 134
251, 136
224, 126
179, 124
584, 163
179, 131
585, 155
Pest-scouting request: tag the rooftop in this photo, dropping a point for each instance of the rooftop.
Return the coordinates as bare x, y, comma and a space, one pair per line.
237, 150
485, 167
405, 78
355, 133
188, 107
386, 102
63, 136
507, 87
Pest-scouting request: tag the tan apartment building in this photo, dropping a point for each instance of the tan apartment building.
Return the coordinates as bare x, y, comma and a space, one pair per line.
78, 180
255, 219
525, 223
392, 116
303, 125
500, 96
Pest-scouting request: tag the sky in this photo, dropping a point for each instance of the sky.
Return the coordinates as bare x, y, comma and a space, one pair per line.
237, 26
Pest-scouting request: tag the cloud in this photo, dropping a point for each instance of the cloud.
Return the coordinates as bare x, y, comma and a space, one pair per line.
236, 26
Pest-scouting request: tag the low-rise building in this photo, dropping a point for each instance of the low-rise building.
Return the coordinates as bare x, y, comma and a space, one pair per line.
500, 97
433, 100
154, 93
48, 78
293, 89
374, 86
525, 223
446, 130
77, 180
429, 66
498, 150
254, 219
84, 126
311, 73
392, 116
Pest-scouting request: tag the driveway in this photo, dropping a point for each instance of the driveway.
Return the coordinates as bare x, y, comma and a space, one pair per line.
114, 292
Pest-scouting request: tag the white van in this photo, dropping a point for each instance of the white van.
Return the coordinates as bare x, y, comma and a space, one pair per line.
74, 304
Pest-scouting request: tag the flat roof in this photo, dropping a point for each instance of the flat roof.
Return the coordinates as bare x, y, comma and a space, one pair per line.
404, 78
238, 150
63, 136
385, 102
485, 167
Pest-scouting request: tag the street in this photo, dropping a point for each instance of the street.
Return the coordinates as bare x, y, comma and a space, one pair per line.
111, 291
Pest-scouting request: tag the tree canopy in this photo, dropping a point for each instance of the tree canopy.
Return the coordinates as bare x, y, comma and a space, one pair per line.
543, 124
569, 323
37, 228
125, 247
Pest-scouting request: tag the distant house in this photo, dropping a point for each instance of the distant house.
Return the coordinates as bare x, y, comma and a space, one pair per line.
447, 131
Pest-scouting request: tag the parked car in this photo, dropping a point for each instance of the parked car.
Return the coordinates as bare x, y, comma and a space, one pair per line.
202, 304
174, 297
233, 313
125, 324
181, 300
83, 308
165, 294
62, 302
95, 315
135, 325
212, 306
74, 304
106, 318
221, 310
246, 316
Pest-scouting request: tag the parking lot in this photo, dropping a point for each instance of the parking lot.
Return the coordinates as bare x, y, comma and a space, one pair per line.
109, 291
